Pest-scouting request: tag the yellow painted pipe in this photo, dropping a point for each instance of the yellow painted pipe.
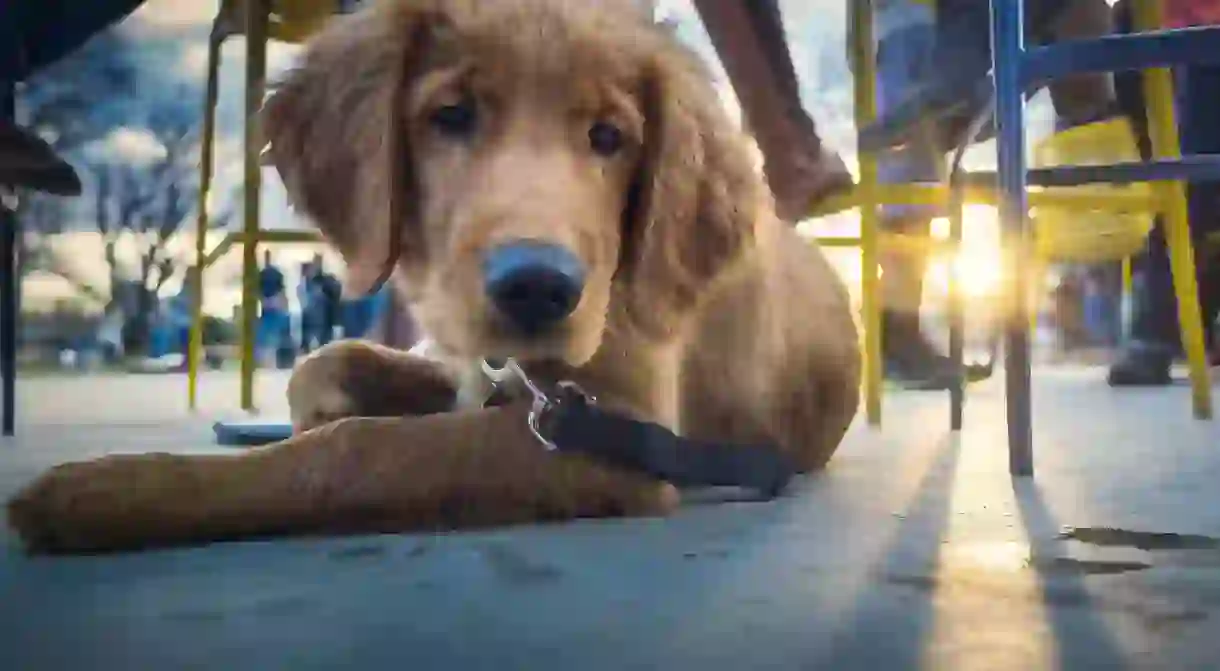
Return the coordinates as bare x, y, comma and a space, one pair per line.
1163, 128
892, 242
286, 236
256, 68
195, 349
226, 243
1072, 198
1128, 278
865, 103
263, 238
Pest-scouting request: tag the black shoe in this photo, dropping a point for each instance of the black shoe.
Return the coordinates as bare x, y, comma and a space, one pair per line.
915, 377
933, 376
977, 372
919, 366
1142, 364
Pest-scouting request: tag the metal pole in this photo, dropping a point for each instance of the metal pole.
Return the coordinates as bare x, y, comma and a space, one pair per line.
957, 392
1007, 52
201, 218
256, 69
865, 87
8, 289
1166, 143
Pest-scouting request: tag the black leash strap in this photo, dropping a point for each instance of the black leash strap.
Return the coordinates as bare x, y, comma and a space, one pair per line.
577, 425
569, 420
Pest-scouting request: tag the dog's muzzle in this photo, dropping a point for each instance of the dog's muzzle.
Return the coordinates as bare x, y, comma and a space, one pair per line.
533, 285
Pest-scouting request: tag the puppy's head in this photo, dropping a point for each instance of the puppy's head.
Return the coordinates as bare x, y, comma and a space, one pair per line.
537, 170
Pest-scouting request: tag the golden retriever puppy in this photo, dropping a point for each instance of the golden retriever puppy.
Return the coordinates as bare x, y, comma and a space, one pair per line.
559, 182
555, 181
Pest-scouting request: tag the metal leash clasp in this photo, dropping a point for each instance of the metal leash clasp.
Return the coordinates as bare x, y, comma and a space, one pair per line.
540, 403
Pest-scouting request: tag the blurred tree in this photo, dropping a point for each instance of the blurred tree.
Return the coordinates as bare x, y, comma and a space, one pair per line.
62, 104
90, 106
139, 209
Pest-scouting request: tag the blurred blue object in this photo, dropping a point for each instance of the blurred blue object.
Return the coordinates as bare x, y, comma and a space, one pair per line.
359, 314
250, 434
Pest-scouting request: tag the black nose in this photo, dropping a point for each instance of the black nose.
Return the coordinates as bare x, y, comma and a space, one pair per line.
533, 284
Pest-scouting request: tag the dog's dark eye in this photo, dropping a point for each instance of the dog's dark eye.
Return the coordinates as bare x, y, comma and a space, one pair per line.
605, 139
458, 120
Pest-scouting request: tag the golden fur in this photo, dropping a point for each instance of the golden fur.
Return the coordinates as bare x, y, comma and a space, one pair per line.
702, 311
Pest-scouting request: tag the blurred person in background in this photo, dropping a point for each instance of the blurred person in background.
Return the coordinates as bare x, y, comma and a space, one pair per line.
1068, 299
1102, 293
324, 304
178, 313
110, 332
274, 321
357, 315
308, 327
394, 325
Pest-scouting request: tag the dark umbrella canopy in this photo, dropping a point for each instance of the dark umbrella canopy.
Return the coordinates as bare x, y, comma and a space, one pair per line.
36, 33
26, 161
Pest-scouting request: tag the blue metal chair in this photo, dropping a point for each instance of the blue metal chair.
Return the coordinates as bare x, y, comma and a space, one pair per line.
1016, 68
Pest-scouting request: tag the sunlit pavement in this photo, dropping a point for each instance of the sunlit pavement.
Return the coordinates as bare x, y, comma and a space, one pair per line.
913, 549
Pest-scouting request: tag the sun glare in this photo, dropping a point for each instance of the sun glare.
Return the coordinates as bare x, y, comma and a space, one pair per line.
978, 263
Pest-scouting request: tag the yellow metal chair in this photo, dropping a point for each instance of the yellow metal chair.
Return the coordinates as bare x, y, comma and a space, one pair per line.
1107, 232
1117, 228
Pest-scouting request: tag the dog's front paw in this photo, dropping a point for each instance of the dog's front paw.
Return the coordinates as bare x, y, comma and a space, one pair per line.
89, 505
355, 378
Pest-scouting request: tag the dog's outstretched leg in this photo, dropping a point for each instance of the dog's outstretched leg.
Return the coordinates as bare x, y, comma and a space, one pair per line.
444, 471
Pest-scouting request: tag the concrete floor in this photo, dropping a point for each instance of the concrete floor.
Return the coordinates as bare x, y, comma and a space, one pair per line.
914, 550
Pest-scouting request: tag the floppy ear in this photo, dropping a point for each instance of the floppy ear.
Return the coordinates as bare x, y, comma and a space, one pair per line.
338, 142
697, 199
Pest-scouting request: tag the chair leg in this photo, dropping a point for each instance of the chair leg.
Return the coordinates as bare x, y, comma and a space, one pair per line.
9, 286
8, 319
957, 391
865, 85
1007, 31
1125, 302
256, 67
1163, 129
195, 350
